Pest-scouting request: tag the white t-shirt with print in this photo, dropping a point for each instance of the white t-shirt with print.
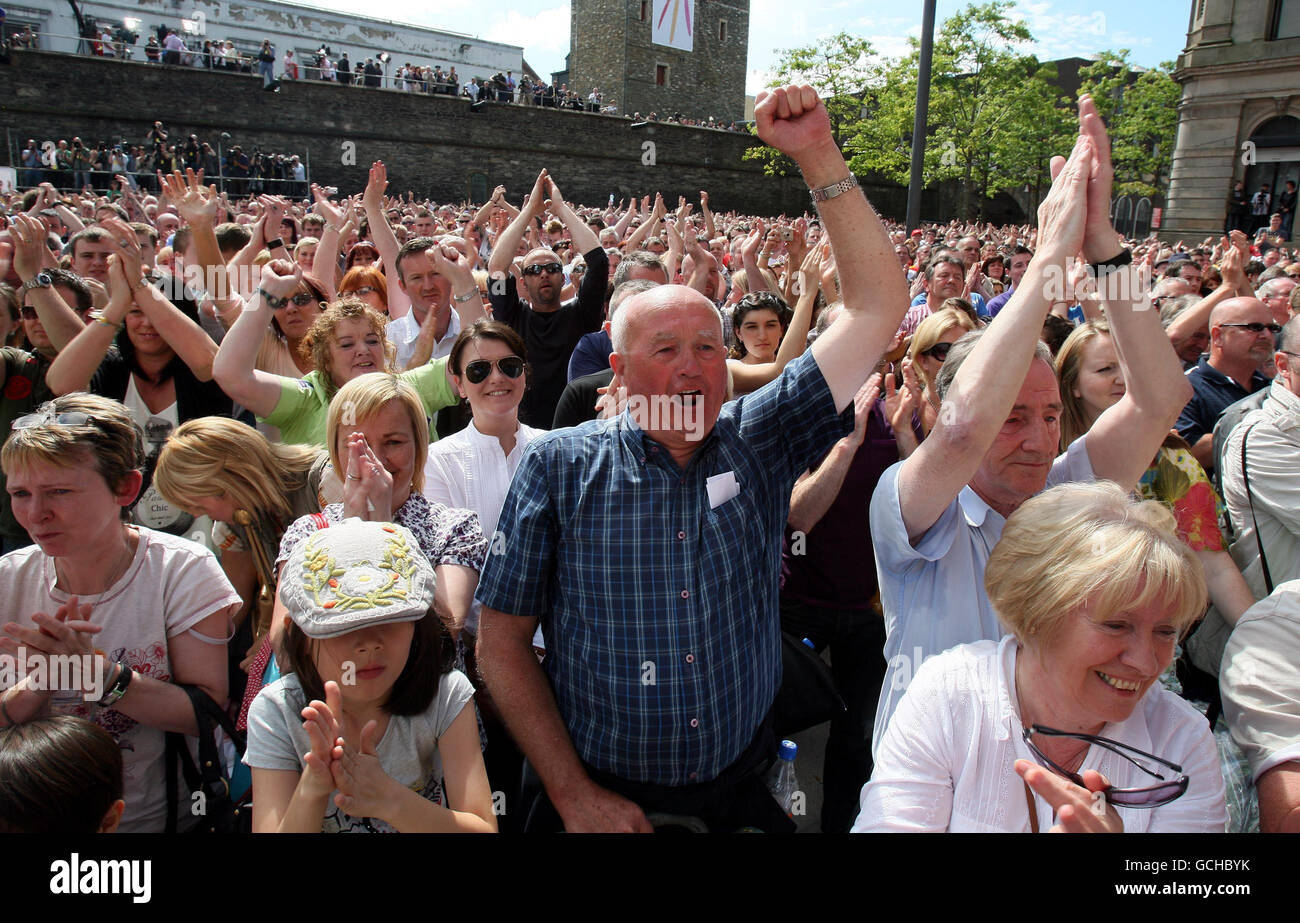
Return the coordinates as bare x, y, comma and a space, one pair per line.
408, 751
170, 586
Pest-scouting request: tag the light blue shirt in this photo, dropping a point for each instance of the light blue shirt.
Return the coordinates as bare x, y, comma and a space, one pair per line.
403, 332
932, 593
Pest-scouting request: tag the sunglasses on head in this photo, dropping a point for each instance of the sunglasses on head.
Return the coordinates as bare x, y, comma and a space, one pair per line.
538, 268
1169, 789
46, 416
478, 370
938, 351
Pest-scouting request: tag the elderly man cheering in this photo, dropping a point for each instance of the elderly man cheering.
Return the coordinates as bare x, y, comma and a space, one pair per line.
936, 516
648, 545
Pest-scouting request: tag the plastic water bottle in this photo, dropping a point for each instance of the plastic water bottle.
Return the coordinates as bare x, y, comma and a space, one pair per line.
782, 782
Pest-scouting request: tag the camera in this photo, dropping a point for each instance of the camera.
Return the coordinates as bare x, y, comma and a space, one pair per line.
787, 234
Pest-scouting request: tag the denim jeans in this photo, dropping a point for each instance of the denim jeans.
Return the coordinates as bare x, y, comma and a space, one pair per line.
857, 643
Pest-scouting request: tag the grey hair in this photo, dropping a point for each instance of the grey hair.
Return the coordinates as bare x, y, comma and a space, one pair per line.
963, 348
618, 320
631, 261
1171, 309
1289, 339
624, 291
1272, 285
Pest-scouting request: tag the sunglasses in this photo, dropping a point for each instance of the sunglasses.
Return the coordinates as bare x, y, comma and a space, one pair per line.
478, 370
302, 299
938, 351
539, 268
1152, 797
363, 291
1257, 327
47, 417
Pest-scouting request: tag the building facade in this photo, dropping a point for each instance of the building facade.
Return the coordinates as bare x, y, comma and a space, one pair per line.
1239, 118
670, 57
302, 29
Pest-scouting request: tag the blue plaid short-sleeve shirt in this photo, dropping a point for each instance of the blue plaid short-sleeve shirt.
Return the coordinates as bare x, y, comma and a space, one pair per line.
660, 611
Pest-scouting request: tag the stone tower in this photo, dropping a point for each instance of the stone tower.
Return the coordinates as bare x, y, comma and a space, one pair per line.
622, 47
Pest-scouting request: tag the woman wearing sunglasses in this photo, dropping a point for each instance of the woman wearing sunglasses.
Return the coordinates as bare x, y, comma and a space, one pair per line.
471, 470
927, 352
1063, 725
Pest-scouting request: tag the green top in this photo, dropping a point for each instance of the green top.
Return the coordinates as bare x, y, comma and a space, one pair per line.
301, 412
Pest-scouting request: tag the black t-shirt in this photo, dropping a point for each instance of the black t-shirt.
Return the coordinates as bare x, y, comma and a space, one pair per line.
578, 402
550, 336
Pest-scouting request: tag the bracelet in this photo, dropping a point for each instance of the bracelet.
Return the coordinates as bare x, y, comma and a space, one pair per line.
1103, 267
821, 194
275, 303
461, 299
273, 244
118, 687
99, 318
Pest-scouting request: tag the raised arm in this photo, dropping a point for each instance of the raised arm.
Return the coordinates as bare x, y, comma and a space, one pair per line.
984, 391
1127, 435
583, 237
746, 378
234, 365
75, 365
645, 228
710, 230
503, 252
621, 227
198, 206
31, 256
793, 120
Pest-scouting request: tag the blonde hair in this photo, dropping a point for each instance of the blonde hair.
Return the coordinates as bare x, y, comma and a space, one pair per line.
365, 396
1090, 545
1069, 362
929, 330
210, 456
111, 439
320, 336
304, 242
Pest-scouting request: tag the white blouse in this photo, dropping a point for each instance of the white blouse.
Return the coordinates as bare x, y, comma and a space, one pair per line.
469, 471
946, 761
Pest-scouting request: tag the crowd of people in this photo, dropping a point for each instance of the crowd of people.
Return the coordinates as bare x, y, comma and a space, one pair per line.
333, 469
127, 169
381, 70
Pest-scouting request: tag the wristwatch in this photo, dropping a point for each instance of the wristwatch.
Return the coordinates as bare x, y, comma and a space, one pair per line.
275, 303
1103, 267
41, 280
834, 189
114, 693
277, 242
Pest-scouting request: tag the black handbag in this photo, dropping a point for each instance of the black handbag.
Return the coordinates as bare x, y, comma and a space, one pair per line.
807, 696
220, 813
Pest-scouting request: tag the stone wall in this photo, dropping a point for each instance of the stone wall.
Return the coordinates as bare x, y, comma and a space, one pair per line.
432, 145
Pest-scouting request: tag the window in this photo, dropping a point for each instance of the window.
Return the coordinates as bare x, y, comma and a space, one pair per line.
722, 30
1285, 21
645, 13
661, 75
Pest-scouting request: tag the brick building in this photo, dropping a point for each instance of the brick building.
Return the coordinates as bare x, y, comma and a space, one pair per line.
612, 46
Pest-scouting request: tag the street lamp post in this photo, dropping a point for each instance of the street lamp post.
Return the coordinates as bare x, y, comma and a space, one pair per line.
922, 117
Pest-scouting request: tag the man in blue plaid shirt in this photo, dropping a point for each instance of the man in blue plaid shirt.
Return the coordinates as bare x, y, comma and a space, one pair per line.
649, 545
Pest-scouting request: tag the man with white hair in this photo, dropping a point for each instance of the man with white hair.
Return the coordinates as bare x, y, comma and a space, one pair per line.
648, 545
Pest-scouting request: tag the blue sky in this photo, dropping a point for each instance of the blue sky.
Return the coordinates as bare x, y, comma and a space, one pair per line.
1153, 31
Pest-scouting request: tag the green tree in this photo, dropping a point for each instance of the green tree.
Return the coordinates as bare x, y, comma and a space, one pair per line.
840, 67
1141, 112
992, 110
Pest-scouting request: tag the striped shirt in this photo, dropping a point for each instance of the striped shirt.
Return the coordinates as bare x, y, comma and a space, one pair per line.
659, 606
